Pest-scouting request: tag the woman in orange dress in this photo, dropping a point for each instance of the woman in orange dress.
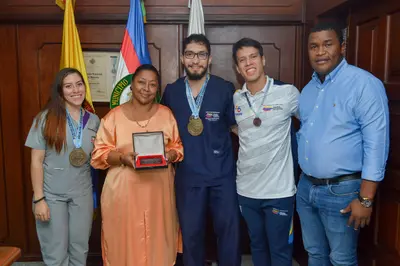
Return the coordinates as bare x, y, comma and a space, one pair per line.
139, 220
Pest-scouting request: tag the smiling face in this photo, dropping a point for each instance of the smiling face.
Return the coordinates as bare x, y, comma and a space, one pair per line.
74, 90
196, 59
250, 64
325, 51
144, 87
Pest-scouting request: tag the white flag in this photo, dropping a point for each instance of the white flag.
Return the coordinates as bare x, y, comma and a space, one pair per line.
196, 18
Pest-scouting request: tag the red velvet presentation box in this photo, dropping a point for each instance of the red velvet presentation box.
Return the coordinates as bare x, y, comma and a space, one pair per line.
150, 149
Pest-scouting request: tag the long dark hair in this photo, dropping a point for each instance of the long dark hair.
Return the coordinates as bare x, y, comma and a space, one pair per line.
55, 120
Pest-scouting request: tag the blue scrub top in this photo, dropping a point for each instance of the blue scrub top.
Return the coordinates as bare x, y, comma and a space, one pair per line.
208, 158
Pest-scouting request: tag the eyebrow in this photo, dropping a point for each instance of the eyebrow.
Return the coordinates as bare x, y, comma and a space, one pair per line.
75, 82
190, 51
324, 41
249, 55
151, 80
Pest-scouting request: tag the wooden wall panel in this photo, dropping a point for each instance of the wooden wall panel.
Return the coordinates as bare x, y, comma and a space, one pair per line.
290, 9
394, 41
367, 45
315, 8
32, 40
279, 43
164, 10
3, 195
12, 170
392, 55
388, 229
373, 46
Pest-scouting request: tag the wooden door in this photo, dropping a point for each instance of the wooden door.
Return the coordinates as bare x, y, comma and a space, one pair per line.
12, 230
3, 205
374, 42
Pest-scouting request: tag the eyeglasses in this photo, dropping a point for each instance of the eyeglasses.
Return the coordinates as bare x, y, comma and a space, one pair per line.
200, 55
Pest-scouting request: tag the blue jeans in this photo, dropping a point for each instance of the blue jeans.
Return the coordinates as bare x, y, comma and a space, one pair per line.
326, 236
270, 226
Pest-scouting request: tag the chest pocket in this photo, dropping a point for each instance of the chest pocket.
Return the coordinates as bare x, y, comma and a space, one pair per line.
339, 111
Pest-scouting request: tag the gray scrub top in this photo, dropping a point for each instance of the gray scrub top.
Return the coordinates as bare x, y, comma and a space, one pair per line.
60, 177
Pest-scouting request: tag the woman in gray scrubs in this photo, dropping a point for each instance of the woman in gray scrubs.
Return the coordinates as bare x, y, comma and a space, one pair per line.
61, 138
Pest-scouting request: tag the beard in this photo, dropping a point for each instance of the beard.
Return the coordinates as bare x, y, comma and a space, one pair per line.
195, 76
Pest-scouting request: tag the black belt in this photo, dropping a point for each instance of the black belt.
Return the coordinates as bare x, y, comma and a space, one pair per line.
334, 180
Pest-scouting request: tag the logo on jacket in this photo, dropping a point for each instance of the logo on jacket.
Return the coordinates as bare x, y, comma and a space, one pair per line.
238, 110
212, 116
280, 212
275, 107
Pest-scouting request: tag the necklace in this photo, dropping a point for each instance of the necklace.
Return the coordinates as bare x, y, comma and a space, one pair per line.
148, 121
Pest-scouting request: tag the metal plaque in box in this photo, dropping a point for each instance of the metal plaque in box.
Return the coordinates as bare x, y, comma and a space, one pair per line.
150, 149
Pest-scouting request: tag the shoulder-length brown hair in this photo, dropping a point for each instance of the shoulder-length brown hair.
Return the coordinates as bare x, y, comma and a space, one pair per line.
55, 119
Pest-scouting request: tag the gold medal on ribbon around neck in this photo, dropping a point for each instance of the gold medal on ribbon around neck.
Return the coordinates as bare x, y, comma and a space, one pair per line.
77, 157
195, 126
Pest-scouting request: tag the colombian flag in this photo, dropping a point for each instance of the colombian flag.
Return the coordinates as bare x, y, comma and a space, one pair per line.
267, 108
71, 53
134, 51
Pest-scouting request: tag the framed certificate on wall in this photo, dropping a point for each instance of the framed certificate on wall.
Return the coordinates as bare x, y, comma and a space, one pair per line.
101, 68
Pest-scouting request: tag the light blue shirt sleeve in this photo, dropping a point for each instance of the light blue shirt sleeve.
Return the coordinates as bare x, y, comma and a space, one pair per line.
372, 114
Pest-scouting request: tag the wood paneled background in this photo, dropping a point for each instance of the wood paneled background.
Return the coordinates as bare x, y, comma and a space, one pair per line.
30, 46
375, 38
221, 11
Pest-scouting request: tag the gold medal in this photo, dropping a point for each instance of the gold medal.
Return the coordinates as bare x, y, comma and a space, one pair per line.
77, 157
195, 126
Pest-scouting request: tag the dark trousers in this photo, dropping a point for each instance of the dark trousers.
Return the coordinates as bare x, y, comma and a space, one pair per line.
270, 225
192, 204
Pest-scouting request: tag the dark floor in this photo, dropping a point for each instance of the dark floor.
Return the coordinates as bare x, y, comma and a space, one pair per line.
246, 261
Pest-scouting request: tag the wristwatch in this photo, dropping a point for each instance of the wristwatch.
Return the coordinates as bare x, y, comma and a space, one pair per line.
365, 202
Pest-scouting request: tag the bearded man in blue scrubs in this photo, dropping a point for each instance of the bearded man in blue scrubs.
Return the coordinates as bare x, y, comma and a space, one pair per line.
203, 107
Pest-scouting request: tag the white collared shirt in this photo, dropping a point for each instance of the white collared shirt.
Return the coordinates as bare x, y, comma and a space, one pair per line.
265, 163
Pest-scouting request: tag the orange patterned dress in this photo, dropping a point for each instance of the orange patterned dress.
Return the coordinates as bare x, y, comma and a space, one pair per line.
139, 219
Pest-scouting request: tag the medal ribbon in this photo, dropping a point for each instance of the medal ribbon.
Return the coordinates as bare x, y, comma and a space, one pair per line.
257, 114
76, 132
195, 106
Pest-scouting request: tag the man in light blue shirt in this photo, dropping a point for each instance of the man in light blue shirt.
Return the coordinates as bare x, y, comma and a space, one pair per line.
343, 146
